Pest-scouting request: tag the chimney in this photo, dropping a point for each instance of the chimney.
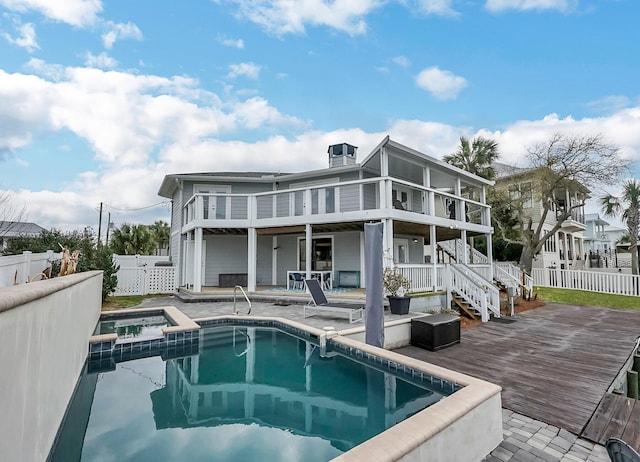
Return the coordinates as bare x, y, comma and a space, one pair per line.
342, 154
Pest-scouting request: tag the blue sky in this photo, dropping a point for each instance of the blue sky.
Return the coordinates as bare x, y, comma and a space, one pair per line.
99, 100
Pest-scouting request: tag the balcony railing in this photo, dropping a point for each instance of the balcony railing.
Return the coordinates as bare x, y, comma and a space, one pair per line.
337, 201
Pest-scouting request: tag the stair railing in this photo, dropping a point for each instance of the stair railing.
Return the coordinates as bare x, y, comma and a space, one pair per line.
472, 293
492, 292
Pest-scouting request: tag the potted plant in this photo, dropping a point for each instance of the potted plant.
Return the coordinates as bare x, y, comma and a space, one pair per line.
396, 285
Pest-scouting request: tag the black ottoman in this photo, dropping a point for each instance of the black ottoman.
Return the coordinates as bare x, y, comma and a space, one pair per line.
436, 331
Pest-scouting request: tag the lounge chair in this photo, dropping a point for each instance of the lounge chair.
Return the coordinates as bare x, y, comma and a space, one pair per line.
319, 302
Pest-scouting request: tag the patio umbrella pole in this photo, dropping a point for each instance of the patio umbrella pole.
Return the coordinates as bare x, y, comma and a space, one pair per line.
374, 311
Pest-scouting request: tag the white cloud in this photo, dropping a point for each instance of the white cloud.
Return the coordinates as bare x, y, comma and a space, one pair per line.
249, 70
402, 61
119, 31
564, 6
79, 13
101, 61
441, 84
233, 43
285, 16
437, 7
26, 38
609, 104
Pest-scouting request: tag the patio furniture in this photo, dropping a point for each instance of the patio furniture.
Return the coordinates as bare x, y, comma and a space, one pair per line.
296, 281
619, 451
319, 302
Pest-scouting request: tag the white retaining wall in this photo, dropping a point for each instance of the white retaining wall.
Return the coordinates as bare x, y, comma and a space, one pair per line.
24, 267
44, 339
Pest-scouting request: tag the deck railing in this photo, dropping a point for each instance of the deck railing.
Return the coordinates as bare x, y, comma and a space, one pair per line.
336, 199
423, 277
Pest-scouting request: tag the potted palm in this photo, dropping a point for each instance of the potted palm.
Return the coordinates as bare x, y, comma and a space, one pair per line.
396, 285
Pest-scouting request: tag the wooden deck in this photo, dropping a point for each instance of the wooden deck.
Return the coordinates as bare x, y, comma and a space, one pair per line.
616, 416
554, 363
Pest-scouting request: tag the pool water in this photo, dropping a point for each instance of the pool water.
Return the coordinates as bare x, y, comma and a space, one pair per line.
133, 327
250, 394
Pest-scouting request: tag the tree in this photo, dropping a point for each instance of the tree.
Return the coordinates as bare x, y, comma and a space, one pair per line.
627, 207
161, 233
475, 157
92, 256
132, 240
562, 163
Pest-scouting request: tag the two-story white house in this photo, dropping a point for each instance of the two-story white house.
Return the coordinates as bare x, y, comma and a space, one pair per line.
257, 228
565, 248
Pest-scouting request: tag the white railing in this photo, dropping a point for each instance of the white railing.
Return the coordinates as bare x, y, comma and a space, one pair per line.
422, 277
506, 279
524, 280
26, 267
454, 247
491, 291
334, 198
146, 280
472, 293
594, 281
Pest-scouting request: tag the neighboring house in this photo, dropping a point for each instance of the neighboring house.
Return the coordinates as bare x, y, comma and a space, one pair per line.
595, 238
565, 249
256, 228
13, 229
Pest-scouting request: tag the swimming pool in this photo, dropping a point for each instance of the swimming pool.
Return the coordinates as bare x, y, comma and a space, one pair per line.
129, 328
252, 393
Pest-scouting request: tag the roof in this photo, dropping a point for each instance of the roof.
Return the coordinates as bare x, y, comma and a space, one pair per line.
170, 182
505, 170
19, 228
596, 218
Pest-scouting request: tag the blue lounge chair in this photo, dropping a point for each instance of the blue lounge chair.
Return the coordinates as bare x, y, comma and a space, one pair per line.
319, 302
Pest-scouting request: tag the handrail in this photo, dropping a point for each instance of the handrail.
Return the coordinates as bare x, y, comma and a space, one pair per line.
470, 291
235, 290
505, 277
234, 343
492, 294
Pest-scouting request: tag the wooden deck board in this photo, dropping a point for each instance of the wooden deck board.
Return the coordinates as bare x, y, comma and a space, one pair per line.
554, 363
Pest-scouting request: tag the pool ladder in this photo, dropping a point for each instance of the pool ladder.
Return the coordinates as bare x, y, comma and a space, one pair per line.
235, 292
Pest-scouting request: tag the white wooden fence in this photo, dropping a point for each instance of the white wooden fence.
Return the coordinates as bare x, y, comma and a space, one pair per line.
594, 281
18, 269
138, 276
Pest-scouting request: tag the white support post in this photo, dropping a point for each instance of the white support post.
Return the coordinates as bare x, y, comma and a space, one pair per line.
387, 238
252, 259
363, 267
197, 261
434, 255
490, 255
308, 249
274, 261
465, 247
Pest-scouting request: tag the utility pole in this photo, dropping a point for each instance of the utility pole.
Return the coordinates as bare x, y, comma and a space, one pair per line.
100, 223
108, 227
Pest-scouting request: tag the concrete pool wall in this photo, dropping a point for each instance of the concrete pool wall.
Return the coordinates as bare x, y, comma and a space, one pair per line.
44, 336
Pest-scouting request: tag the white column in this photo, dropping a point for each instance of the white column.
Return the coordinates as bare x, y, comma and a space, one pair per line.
566, 251
308, 247
252, 259
490, 255
465, 246
274, 261
384, 162
363, 267
197, 261
434, 255
387, 239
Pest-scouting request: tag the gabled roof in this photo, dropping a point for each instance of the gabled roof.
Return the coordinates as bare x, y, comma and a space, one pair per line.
19, 228
170, 182
596, 218
504, 172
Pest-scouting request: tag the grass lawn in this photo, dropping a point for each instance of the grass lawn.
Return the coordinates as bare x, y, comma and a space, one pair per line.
583, 297
124, 301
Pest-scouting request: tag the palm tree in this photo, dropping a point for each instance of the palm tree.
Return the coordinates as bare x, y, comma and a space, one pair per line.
162, 233
475, 157
627, 207
132, 240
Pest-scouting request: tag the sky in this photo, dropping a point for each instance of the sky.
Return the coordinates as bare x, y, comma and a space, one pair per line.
100, 100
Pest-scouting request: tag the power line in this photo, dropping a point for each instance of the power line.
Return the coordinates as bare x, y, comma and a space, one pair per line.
136, 209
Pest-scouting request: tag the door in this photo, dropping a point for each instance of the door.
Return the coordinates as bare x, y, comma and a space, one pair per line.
215, 207
400, 251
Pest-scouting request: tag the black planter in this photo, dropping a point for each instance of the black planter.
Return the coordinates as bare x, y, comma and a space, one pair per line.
399, 305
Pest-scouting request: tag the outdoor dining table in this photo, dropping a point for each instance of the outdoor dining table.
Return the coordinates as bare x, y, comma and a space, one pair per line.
325, 278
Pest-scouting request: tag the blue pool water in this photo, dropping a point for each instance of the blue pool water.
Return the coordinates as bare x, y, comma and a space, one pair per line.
250, 394
133, 327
